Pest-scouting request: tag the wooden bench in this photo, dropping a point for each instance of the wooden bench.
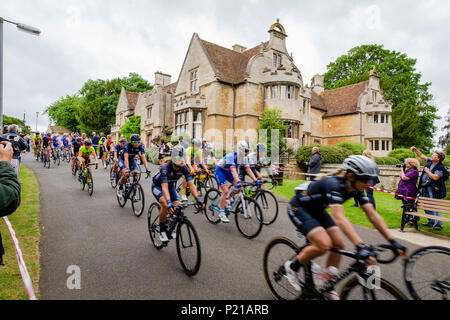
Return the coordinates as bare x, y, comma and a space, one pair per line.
429, 204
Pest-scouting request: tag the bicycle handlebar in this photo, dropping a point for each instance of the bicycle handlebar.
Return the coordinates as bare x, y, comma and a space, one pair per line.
375, 249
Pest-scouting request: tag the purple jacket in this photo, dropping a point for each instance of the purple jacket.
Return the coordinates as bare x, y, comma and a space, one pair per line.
409, 187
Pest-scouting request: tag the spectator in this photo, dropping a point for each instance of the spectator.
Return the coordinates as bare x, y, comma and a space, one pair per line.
407, 185
9, 186
432, 183
369, 191
95, 140
315, 163
20, 145
5, 129
161, 149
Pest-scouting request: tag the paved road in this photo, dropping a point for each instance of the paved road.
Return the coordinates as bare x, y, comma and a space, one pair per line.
118, 261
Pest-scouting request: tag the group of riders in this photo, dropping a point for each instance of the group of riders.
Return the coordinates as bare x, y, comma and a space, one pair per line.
306, 209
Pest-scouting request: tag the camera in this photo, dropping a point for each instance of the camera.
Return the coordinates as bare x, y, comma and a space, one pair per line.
401, 165
14, 144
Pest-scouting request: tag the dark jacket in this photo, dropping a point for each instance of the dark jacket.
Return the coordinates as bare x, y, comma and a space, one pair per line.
95, 140
9, 189
315, 163
438, 187
22, 144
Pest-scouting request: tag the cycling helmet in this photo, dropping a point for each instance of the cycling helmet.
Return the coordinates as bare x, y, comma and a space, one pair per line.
122, 140
209, 146
135, 138
361, 166
261, 147
178, 155
243, 146
37, 133
196, 142
88, 142
79, 140
109, 136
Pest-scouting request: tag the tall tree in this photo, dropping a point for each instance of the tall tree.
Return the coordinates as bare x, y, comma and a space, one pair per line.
133, 125
63, 112
97, 111
444, 140
271, 120
412, 111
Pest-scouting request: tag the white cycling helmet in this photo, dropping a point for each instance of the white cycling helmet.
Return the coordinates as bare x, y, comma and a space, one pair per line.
261, 147
361, 166
243, 146
197, 142
209, 146
178, 155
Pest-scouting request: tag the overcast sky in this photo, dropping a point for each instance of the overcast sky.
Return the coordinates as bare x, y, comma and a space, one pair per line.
105, 39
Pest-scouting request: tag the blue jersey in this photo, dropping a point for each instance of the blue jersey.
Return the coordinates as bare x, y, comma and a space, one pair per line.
55, 142
65, 142
131, 151
168, 175
231, 160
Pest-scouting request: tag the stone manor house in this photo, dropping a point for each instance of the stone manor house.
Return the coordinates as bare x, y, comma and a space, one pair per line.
221, 94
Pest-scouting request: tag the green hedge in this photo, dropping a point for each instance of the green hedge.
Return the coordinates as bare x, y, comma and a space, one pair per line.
152, 155
401, 154
330, 154
354, 147
387, 161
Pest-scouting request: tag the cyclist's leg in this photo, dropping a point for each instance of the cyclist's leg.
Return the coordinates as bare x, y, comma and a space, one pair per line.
334, 259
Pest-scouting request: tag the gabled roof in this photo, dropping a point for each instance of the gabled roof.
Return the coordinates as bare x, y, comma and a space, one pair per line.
317, 101
230, 64
343, 100
132, 98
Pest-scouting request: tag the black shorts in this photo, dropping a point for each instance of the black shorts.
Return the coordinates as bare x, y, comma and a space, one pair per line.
161, 156
306, 222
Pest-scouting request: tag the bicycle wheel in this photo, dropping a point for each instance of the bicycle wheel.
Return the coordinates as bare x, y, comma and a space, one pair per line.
354, 290
427, 275
153, 224
188, 247
178, 187
269, 204
137, 200
249, 220
58, 158
123, 199
90, 183
83, 180
276, 253
211, 183
211, 202
113, 178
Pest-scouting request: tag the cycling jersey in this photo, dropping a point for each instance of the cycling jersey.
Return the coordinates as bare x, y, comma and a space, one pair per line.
37, 140
108, 144
46, 142
307, 208
86, 153
55, 142
132, 151
65, 142
168, 175
231, 160
118, 149
196, 156
76, 147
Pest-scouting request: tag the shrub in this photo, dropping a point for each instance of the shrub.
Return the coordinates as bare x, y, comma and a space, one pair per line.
152, 155
330, 154
354, 147
401, 154
387, 161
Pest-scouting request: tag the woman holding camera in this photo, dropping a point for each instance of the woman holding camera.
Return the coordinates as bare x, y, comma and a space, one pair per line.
407, 185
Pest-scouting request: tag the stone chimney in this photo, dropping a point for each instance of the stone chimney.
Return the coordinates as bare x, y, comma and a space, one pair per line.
239, 48
162, 79
318, 84
374, 79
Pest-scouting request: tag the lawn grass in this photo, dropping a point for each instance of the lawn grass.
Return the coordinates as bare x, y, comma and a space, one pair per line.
387, 206
25, 222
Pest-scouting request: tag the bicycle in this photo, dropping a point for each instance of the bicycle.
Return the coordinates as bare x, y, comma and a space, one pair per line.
247, 212
114, 175
57, 157
267, 201
281, 249
187, 240
38, 153
86, 178
434, 282
46, 158
135, 193
202, 181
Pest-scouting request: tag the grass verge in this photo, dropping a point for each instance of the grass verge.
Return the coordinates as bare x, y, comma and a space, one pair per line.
387, 206
25, 222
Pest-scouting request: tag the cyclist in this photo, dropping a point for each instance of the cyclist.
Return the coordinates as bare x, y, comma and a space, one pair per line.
163, 187
257, 160
226, 171
194, 156
83, 137
307, 212
55, 144
117, 151
76, 145
64, 141
127, 160
37, 140
100, 144
47, 144
107, 146
84, 154
208, 152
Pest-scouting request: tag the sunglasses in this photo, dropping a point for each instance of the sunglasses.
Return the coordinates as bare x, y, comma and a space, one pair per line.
135, 142
364, 179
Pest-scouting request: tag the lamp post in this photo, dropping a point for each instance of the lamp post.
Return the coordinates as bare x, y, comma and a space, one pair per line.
22, 27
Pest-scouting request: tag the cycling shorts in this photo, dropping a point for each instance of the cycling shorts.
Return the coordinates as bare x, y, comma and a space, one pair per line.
157, 192
131, 162
306, 222
223, 176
